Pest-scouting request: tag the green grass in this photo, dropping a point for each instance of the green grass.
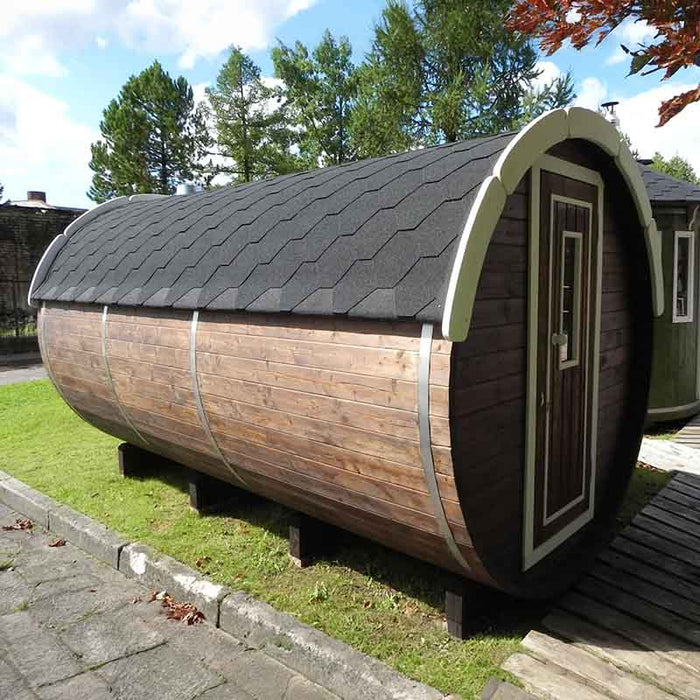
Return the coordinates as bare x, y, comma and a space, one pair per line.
379, 601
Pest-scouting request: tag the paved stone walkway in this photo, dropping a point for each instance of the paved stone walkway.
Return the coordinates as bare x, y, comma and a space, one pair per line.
13, 375
72, 627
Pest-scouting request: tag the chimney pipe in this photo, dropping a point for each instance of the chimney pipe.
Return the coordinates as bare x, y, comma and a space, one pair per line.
36, 196
610, 114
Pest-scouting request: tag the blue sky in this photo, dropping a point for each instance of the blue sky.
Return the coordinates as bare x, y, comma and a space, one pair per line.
61, 61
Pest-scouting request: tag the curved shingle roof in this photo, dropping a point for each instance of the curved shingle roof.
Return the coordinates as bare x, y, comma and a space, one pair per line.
374, 239
664, 188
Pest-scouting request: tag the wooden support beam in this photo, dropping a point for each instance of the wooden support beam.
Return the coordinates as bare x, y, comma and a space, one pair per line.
465, 604
208, 494
133, 461
308, 539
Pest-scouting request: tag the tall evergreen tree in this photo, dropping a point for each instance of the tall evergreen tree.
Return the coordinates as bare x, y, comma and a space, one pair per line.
153, 136
676, 167
250, 118
445, 70
320, 90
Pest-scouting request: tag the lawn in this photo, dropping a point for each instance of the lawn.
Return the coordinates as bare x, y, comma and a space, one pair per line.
379, 601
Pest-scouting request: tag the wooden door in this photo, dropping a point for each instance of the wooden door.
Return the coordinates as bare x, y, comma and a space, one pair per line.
565, 328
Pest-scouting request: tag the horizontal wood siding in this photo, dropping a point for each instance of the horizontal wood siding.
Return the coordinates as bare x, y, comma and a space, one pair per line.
488, 391
71, 347
160, 403
319, 414
330, 409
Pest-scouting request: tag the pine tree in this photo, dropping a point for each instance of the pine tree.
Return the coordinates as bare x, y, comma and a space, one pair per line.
676, 167
445, 70
320, 89
153, 136
250, 120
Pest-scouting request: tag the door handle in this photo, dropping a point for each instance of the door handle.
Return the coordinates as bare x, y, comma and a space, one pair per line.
559, 339
543, 402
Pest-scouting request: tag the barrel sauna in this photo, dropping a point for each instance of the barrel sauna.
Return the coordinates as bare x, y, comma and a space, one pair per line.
446, 351
675, 374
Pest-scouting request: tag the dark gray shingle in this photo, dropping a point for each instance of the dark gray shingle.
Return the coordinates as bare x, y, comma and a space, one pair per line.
666, 189
374, 239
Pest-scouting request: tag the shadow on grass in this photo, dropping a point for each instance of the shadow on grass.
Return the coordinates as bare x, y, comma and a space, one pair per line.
500, 614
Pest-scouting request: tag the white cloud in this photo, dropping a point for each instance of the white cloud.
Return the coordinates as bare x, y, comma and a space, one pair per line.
632, 34
639, 116
101, 42
41, 146
549, 71
29, 55
635, 32
191, 30
618, 56
199, 92
590, 93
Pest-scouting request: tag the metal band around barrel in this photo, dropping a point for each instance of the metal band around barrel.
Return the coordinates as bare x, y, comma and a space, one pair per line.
110, 381
198, 398
47, 362
426, 451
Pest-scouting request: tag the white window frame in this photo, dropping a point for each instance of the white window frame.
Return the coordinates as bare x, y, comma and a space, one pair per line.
575, 340
687, 318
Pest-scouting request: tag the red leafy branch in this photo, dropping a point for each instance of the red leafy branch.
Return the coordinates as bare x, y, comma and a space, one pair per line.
676, 43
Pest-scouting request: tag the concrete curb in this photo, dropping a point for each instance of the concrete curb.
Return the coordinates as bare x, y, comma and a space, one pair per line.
165, 573
26, 500
324, 660
86, 533
328, 662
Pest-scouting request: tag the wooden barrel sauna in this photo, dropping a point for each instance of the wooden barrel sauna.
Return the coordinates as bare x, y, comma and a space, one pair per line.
675, 375
446, 351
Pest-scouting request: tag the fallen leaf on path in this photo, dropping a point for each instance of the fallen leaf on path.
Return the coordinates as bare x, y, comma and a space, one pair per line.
57, 543
19, 524
185, 612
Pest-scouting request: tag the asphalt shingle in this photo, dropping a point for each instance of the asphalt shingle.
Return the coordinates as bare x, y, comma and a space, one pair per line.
373, 239
666, 189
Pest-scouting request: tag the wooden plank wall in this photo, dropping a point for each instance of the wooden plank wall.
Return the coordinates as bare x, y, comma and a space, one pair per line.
71, 345
150, 364
489, 391
331, 407
490, 380
320, 414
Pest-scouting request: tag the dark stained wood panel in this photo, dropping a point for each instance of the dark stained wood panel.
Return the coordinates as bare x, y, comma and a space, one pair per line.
488, 392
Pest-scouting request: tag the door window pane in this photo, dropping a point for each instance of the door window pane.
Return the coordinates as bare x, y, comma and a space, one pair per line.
683, 274
568, 339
